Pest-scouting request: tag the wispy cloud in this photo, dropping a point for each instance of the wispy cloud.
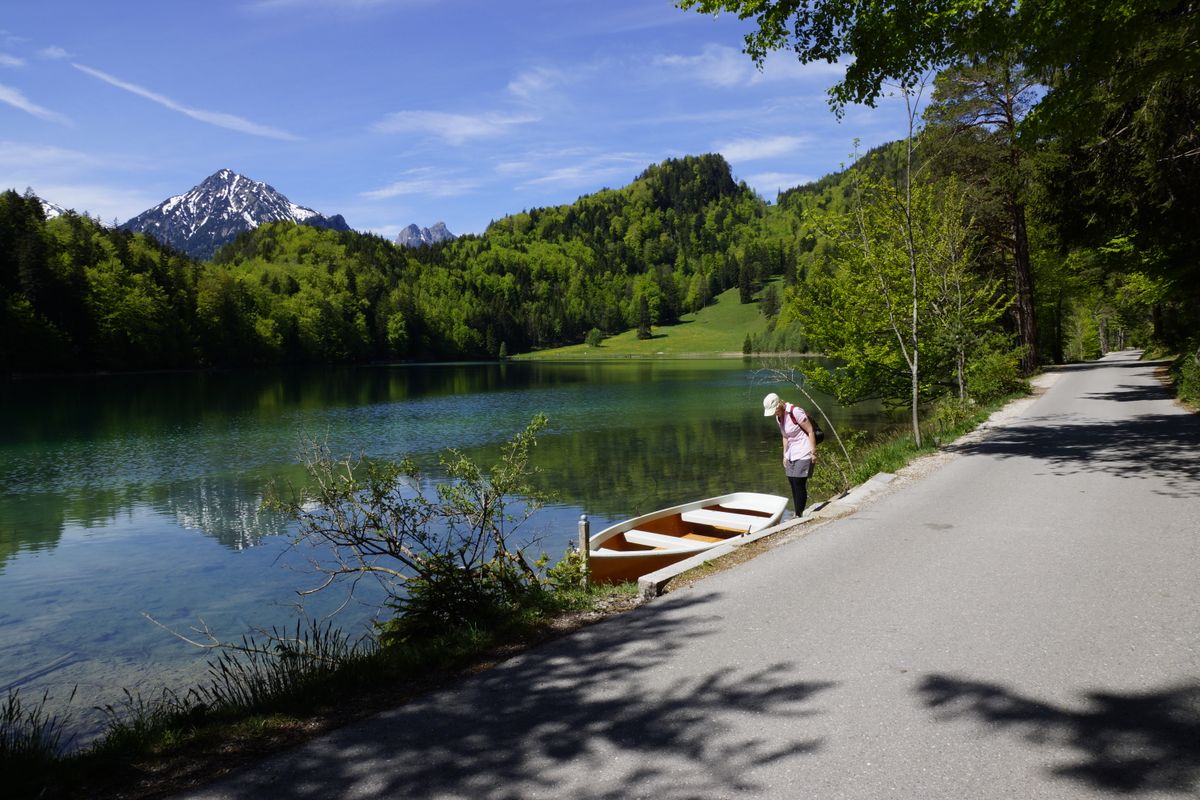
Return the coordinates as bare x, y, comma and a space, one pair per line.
692, 119
533, 162
767, 183
11, 61
105, 202
534, 84
218, 118
768, 147
454, 128
516, 167
725, 67
64, 164
17, 100
19, 155
639, 18
592, 171
10, 39
716, 65
53, 52
424, 181
337, 5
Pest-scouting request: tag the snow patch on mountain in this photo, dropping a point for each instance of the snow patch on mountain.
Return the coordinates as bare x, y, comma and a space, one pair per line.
50, 209
215, 211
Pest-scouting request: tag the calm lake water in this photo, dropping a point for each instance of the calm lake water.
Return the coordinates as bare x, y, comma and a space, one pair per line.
127, 496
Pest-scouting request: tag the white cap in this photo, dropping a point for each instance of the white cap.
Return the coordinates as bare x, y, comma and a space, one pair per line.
770, 403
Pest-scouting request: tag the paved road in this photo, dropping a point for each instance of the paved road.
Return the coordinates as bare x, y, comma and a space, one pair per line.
1024, 622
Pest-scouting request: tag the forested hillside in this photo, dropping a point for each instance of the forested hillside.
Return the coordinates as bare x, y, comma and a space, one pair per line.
76, 295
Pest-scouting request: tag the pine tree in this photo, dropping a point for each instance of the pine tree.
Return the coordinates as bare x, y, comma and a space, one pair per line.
644, 319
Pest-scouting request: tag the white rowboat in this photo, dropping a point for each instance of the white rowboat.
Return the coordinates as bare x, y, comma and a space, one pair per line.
638, 546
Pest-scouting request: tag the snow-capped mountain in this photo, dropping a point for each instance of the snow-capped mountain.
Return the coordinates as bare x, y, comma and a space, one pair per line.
218, 209
50, 209
413, 236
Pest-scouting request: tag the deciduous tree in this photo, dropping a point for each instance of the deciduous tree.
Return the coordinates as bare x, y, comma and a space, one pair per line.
984, 103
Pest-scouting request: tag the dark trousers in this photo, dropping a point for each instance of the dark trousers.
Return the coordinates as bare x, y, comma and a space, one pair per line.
799, 493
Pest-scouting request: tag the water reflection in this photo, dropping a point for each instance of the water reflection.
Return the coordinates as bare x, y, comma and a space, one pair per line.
100, 407
128, 494
29, 523
227, 508
202, 448
230, 510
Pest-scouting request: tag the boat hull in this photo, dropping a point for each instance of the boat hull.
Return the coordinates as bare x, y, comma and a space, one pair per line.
644, 544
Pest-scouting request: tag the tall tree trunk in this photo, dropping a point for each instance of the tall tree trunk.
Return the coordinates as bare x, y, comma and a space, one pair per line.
1023, 273
960, 368
1058, 355
914, 331
916, 423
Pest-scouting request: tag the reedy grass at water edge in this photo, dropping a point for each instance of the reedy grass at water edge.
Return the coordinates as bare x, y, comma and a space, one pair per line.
260, 696
30, 737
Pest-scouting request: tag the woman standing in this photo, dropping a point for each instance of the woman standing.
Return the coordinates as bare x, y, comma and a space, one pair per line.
799, 446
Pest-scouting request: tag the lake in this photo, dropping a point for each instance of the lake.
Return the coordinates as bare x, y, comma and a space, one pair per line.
123, 496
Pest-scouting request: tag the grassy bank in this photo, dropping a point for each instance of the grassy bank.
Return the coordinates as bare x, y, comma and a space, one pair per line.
717, 329
1185, 374
1182, 373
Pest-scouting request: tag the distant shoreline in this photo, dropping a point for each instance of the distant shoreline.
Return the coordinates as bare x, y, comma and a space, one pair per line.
656, 356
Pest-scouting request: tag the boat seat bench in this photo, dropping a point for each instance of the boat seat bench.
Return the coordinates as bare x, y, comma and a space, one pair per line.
660, 540
726, 520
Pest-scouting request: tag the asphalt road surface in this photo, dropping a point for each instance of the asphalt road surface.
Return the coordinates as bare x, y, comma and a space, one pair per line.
1022, 622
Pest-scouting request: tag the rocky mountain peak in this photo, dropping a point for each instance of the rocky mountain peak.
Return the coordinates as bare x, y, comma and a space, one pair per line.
223, 205
416, 236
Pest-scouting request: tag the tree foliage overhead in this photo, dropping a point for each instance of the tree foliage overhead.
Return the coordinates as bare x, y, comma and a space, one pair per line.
1072, 45
890, 42
1112, 122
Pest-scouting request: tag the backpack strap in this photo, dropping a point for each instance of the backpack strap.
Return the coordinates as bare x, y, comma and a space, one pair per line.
792, 414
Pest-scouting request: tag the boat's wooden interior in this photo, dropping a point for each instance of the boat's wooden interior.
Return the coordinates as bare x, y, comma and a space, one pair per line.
734, 509
650, 544
671, 525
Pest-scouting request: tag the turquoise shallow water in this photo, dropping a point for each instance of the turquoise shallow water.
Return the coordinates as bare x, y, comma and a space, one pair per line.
128, 496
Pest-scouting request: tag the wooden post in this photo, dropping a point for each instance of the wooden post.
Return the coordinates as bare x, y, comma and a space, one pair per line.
584, 547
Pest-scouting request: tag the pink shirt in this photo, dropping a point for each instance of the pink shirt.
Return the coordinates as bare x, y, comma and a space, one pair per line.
798, 446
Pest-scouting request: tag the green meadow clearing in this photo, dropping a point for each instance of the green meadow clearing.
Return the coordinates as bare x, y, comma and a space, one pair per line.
718, 329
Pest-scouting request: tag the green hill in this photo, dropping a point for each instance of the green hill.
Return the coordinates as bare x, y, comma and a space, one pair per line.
717, 329
662, 248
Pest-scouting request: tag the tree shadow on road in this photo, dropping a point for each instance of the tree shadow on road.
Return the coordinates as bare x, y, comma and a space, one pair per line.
1133, 393
1128, 743
1164, 446
579, 706
1155, 446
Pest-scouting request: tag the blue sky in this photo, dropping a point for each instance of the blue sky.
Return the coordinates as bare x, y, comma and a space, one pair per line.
399, 111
